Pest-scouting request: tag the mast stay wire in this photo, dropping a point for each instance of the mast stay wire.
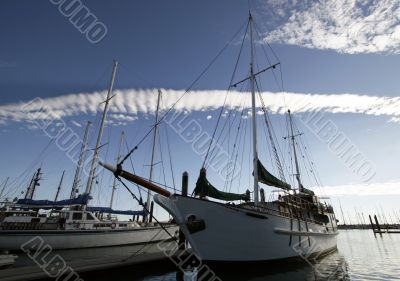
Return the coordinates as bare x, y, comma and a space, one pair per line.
17, 184
180, 98
226, 95
235, 148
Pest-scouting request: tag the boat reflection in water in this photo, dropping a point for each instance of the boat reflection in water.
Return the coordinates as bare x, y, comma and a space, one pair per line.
331, 267
90, 260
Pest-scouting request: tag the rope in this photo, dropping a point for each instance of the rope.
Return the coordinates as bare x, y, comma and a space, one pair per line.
144, 207
148, 212
170, 160
226, 95
180, 98
270, 129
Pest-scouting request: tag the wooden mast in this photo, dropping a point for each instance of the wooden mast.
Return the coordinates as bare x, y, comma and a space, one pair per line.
118, 172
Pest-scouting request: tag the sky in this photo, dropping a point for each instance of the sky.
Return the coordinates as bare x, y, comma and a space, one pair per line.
338, 73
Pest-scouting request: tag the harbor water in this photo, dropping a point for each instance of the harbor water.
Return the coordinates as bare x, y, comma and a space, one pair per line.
360, 256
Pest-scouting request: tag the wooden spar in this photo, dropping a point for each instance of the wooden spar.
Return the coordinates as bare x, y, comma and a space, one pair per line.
136, 179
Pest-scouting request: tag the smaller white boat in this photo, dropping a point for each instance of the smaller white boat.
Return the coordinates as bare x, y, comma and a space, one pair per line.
7, 260
76, 229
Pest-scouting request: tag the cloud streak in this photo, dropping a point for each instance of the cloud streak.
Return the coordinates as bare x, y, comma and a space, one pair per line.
370, 189
347, 26
127, 104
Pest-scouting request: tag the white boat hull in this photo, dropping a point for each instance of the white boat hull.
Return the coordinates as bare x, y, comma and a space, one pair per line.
233, 234
75, 239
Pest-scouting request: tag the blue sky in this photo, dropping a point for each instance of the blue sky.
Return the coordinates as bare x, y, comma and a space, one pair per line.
343, 52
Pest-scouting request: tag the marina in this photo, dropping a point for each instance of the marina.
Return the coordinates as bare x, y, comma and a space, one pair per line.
229, 140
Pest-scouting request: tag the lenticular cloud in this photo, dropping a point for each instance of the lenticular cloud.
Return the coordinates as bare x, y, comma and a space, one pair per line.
128, 104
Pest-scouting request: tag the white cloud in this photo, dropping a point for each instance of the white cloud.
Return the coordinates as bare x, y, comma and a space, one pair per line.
209, 117
367, 189
127, 104
347, 26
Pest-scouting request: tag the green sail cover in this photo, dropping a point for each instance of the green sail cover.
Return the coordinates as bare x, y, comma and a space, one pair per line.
205, 188
267, 178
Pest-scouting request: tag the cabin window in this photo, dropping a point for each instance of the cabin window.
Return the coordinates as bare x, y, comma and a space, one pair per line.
65, 215
77, 216
89, 217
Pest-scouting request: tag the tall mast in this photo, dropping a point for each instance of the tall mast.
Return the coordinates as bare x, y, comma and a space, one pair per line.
35, 183
294, 152
82, 158
114, 186
153, 151
4, 186
93, 167
59, 186
253, 112
28, 190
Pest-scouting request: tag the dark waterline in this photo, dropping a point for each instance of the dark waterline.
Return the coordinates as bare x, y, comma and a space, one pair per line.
360, 256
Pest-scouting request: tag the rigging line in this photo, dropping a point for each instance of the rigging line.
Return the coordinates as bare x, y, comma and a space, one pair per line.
275, 152
269, 61
169, 152
268, 123
99, 180
223, 128
310, 161
180, 98
138, 186
144, 207
246, 125
212, 155
227, 138
282, 86
234, 148
16, 185
162, 160
170, 160
133, 169
226, 95
237, 141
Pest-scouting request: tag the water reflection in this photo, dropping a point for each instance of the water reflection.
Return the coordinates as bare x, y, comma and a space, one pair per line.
331, 267
360, 256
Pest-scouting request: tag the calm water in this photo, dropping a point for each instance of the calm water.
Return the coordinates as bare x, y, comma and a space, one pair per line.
360, 256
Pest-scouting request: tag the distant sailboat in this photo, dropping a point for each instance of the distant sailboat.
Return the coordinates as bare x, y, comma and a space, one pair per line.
72, 224
293, 225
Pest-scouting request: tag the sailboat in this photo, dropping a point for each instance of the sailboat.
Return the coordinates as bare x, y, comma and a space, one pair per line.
296, 224
72, 223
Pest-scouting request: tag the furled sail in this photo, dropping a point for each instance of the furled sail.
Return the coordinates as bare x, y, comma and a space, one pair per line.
267, 178
205, 188
117, 212
80, 200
